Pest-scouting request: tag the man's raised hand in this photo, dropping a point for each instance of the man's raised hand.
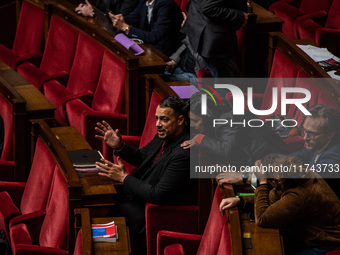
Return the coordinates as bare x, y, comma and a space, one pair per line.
111, 137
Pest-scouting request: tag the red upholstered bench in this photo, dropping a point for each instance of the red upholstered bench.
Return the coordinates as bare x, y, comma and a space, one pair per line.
323, 28
108, 102
215, 239
83, 77
19, 199
29, 38
293, 11
58, 55
44, 231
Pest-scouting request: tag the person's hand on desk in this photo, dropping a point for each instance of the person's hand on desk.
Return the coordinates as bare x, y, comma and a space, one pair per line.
115, 172
170, 66
229, 202
111, 137
228, 178
85, 9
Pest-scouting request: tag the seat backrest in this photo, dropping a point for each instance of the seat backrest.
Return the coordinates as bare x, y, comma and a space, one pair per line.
29, 37
317, 96
86, 66
150, 129
283, 74
109, 95
6, 110
182, 4
54, 228
333, 19
39, 181
308, 6
60, 47
216, 236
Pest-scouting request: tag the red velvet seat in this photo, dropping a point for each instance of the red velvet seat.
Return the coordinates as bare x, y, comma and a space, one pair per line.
323, 28
29, 38
83, 77
108, 102
293, 11
6, 160
182, 4
44, 231
171, 218
215, 239
18, 198
58, 55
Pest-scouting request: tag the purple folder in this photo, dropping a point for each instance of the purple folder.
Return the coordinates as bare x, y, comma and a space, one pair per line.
184, 92
129, 44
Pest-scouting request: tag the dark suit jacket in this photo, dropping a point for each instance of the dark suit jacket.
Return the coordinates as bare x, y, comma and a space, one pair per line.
211, 26
117, 6
164, 29
330, 157
166, 182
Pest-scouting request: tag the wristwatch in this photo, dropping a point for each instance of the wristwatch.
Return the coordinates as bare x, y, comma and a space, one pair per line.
245, 177
127, 30
93, 14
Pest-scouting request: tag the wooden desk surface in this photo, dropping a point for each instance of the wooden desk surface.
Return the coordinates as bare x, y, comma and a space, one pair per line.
3, 66
12, 77
121, 246
264, 16
36, 103
96, 190
263, 241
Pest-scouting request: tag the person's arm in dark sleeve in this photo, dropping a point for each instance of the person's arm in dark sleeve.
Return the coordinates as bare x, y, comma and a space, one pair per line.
217, 11
161, 26
128, 6
170, 187
133, 18
134, 156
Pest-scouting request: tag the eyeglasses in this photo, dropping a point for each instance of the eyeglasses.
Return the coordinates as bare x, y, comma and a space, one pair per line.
310, 134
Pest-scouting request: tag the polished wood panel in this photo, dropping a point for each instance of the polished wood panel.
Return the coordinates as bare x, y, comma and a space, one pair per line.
83, 221
28, 103
253, 46
246, 236
122, 246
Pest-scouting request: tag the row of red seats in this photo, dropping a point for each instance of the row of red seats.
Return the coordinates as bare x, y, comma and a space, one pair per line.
85, 81
34, 213
315, 20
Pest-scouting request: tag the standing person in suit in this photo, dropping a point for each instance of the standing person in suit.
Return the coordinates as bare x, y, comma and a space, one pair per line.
116, 6
157, 22
162, 176
322, 143
211, 27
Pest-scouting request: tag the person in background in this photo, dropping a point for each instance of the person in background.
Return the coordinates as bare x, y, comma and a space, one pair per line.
211, 27
322, 143
297, 201
157, 22
115, 6
228, 143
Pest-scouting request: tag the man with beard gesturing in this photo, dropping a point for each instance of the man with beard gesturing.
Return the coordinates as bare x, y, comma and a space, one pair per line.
162, 175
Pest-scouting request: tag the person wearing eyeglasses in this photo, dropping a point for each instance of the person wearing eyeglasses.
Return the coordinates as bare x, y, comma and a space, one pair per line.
322, 144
